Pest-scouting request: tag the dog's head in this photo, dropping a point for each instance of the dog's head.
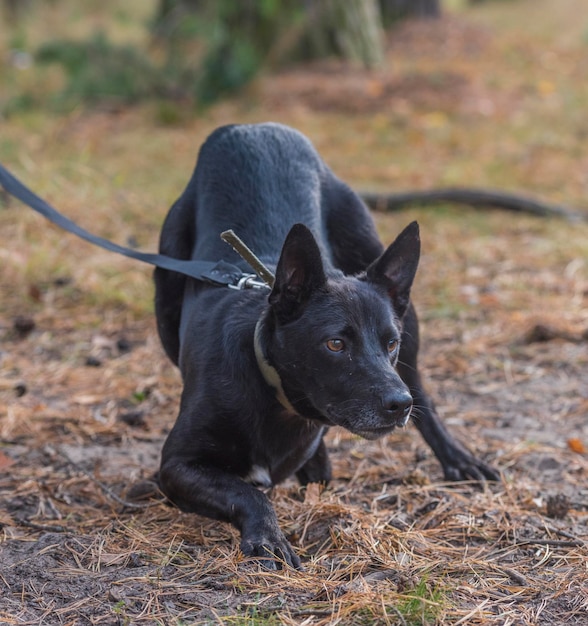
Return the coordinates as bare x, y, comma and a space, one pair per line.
334, 340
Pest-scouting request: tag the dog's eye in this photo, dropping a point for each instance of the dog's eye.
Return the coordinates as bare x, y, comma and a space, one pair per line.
335, 345
392, 346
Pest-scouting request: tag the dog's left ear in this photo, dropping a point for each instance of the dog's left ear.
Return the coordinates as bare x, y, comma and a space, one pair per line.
396, 268
300, 271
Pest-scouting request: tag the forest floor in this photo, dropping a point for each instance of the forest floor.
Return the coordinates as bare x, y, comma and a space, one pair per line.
487, 98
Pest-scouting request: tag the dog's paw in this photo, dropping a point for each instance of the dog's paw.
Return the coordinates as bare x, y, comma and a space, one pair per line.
462, 465
270, 548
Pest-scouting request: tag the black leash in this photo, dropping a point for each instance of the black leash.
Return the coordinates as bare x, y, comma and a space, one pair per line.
220, 273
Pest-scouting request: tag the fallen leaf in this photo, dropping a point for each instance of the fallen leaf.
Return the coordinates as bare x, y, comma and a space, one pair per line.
434, 119
5, 461
575, 445
375, 88
86, 400
545, 87
313, 493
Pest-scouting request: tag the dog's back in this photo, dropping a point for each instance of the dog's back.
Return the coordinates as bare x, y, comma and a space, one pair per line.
258, 180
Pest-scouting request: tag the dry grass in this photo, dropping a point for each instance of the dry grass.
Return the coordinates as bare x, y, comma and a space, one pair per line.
481, 100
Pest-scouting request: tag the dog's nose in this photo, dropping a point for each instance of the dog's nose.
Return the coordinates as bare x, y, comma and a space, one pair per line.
398, 406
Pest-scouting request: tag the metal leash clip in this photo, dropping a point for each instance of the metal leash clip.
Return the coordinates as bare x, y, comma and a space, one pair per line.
263, 277
249, 281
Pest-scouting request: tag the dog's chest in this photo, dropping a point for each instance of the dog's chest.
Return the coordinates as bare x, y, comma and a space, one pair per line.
284, 453
259, 476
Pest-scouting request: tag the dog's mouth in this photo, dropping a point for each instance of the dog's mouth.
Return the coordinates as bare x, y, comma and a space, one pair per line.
374, 433
364, 422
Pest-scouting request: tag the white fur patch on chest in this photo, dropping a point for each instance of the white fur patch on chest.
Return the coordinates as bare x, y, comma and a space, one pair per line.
259, 477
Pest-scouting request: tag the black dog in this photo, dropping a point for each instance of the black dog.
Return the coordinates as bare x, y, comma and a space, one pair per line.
334, 344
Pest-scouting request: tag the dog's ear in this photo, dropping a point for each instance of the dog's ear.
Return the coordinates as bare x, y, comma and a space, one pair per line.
300, 271
396, 268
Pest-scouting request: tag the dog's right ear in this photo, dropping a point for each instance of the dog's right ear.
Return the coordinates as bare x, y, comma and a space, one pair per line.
300, 271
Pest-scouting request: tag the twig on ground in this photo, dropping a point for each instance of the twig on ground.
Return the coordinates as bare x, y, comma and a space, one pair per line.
564, 533
514, 575
50, 528
556, 543
485, 198
477, 609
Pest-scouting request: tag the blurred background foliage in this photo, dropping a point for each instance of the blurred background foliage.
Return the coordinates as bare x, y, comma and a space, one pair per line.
182, 50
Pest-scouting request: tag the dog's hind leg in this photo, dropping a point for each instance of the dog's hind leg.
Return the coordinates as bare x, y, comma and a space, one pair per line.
177, 240
351, 232
457, 462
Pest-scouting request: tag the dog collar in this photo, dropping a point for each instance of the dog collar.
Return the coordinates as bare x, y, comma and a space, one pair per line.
269, 372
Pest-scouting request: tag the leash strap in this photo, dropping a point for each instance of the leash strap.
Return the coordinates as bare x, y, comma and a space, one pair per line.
220, 273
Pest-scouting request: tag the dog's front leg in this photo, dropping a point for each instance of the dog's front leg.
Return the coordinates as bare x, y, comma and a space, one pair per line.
219, 495
458, 463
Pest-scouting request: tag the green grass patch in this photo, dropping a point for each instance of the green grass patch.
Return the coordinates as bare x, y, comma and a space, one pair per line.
98, 70
422, 605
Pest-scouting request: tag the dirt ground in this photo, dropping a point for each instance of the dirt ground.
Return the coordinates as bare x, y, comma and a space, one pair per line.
87, 397
80, 547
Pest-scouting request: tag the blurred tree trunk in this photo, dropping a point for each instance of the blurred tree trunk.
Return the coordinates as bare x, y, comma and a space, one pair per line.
351, 29
167, 8
170, 13
393, 10
14, 9
242, 36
